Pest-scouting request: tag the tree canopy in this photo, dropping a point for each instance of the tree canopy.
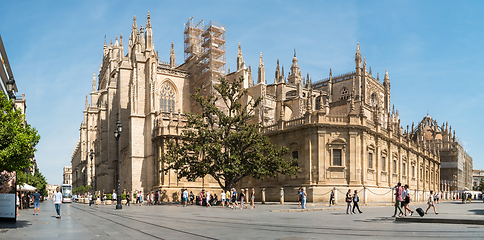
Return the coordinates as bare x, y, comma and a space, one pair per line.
17, 139
36, 180
220, 141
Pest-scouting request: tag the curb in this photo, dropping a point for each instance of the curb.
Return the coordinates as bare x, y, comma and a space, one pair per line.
306, 210
441, 220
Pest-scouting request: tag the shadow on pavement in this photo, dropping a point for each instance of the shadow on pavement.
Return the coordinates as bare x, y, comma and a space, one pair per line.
477, 211
14, 225
378, 219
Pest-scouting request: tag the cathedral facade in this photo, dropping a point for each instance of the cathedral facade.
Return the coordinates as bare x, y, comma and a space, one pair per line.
342, 129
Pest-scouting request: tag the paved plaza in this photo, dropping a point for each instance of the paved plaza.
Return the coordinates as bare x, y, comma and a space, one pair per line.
270, 221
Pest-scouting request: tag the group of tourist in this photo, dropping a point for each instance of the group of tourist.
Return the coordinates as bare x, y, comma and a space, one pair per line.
402, 199
302, 195
229, 199
351, 201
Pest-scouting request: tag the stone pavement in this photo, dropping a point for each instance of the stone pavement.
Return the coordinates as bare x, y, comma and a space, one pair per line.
172, 221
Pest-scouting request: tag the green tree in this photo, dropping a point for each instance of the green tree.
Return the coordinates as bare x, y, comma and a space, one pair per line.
221, 142
481, 185
38, 181
17, 139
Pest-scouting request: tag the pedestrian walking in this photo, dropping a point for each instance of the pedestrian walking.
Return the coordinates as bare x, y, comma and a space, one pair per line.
17, 204
140, 198
406, 199
252, 199
156, 197
202, 197
137, 197
227, 198
331, 198
348, 200
104, 199
185, 197
398, 200
90, 199
208, 199
242, 199
128, 198
303, 198
222, 196
57, 202
356, 199
114, 196
234, 199
192, 197
36, 198
431, 203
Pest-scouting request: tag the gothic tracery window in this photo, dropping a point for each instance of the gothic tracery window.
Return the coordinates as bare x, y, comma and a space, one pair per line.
167, 100
373, 100
344, 94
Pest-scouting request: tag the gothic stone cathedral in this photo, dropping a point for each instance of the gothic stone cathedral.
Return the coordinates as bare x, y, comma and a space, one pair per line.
342, 128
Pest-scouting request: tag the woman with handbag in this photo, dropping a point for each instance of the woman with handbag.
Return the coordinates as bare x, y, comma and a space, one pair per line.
431, 203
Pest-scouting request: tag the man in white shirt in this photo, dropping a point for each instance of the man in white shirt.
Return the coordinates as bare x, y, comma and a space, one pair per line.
114, 196
57, 202
185, 197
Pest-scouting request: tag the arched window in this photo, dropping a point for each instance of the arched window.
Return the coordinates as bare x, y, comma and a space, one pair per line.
167, 100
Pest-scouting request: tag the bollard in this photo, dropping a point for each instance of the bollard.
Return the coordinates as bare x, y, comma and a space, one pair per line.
365, 200
393, 194
282, 196
247, 197
263, 196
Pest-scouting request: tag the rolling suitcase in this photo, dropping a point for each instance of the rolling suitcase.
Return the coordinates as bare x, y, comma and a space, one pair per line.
420, 212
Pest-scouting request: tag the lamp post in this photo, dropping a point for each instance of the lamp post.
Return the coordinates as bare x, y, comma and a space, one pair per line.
117, 134
91, 154
10, 83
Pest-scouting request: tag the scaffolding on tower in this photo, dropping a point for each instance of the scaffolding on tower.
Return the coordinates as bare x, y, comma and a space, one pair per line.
192, 39
212, 59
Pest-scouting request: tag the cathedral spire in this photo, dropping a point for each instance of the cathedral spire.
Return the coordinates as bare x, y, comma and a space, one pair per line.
240, 59
295, 76
278, 73
251, 81
86, 103
358, 57
135, 26
149, 33
93, 81
172, 56
330, 85
386, 78
261, 76
307, 81
282, 74
148, 20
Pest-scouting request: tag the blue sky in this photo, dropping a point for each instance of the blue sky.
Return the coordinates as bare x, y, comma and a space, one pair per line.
433, 51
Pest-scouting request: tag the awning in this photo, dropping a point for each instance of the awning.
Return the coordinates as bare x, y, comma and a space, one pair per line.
26, 188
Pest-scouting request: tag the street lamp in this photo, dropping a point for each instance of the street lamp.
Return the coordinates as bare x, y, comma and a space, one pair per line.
117, 134
91, 154
10, 91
